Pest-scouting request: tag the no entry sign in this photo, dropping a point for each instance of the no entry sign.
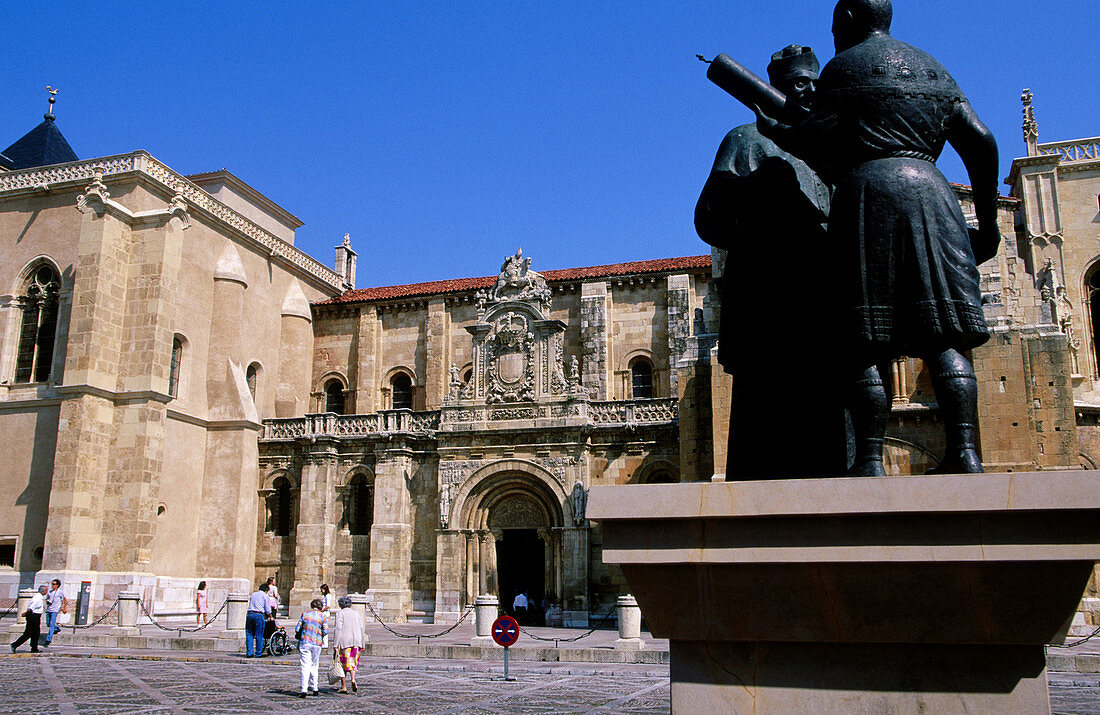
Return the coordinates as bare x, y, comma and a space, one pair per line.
505, 631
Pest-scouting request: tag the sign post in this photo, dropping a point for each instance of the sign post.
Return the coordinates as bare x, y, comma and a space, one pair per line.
506, 633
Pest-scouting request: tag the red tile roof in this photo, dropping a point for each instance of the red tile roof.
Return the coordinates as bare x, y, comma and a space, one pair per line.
466, 285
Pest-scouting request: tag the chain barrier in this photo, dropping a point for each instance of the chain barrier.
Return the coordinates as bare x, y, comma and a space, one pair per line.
97, 621
573, 639
180, 629
378, 618
10, 609
1083, 640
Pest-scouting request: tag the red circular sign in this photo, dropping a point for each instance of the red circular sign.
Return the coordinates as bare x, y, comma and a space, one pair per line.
505, 631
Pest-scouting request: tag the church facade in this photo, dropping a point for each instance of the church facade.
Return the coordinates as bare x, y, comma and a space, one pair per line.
188, 396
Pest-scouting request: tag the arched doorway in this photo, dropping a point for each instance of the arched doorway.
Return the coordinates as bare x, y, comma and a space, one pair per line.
512, 522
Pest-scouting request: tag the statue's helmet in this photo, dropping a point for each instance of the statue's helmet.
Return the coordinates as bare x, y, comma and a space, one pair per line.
792, 60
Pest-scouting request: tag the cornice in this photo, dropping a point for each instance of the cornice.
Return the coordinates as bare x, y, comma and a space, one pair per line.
140, 164
114, 395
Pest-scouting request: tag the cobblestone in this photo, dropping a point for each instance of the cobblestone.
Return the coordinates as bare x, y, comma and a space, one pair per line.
57, 684
109, 683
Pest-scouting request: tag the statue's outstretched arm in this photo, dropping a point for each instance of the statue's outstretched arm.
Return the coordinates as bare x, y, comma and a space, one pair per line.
978, 150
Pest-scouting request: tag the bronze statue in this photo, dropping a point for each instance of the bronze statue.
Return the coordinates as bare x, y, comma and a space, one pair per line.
906, 260
767, 210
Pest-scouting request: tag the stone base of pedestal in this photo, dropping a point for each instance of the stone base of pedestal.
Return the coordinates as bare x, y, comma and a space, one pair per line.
482, 641
858, 678
232, 635
629, 644
125, 631
893, 594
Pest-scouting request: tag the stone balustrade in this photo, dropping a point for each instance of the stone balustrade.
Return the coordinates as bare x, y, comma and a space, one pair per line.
617, 413
1073, 151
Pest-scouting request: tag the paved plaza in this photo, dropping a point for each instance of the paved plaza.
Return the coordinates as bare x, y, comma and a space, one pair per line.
105, 683
58, 684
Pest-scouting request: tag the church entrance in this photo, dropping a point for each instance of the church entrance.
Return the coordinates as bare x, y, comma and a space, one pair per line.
521, 567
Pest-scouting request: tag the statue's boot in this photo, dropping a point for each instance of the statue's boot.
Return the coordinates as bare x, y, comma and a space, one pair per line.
957, 393
869, 407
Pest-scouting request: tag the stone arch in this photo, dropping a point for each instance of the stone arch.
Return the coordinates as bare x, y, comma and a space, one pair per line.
502, 474
268, 480
650, 470
23, 277
397, 373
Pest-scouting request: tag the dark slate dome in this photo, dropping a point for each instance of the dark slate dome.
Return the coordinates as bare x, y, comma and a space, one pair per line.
41, 146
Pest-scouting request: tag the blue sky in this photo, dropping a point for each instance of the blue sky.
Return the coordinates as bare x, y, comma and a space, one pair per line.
444, 135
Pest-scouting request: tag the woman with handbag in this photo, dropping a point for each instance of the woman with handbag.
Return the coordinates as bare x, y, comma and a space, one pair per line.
310, 632
348, 641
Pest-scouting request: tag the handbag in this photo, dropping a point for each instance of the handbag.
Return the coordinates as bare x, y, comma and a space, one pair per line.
298, 630
336, 672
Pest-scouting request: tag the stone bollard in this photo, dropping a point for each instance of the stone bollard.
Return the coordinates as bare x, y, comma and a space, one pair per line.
127, 614
359, 604
485, 612
22, 602
630, 624
235, 611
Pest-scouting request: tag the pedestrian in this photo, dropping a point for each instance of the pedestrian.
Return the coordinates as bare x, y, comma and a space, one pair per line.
201, 604
33, 614
258, 608
347, 642
326, 605
273, 594
519, 607
311, 632
56, 604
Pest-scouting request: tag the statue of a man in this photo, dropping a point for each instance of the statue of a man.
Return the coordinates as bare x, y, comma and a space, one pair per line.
908, 263
766, 210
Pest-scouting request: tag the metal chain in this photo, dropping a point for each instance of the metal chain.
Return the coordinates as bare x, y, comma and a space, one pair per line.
10, 609
99, 620
1083, 640
574, 638
181, 629
465, 615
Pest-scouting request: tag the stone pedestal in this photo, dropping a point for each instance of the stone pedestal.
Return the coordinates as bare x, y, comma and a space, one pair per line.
235, 613
630, 624
22, 602
891, 594
359, 603
128, 602
485, 612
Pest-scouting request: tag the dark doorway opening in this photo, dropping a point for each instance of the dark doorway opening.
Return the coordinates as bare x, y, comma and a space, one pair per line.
521, 567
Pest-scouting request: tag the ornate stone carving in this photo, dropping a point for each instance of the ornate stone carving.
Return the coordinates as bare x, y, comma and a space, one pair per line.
445, 505
510, 353
514, 413
518, 282
578, 500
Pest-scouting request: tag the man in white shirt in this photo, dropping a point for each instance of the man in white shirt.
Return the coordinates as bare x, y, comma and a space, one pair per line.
519, 607
258, 608
33, 614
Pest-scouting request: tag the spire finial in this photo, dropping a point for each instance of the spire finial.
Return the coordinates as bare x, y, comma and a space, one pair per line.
347, 239
53, 98
1031, 127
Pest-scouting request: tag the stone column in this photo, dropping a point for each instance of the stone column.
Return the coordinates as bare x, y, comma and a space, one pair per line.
575, 605
437, 361
367, 339
486, 608
679, 313
630, 624
235, 614
127, 614
471, 568
295, 354
482, 563
22, 601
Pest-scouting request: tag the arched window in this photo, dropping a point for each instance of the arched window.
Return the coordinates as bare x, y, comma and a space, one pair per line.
36, 336
402, 388
1092, 286
360, 505
641, 379
280, 508
252, 376
174, 370
334, 396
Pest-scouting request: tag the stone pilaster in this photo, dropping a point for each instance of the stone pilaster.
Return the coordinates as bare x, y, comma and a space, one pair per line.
680, 315
436, 362
595, 339
575, 605
450, 552
295, 353
392, 532
315, 536
368, 335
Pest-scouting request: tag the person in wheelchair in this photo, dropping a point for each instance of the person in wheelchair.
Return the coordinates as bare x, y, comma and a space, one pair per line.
275, 640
